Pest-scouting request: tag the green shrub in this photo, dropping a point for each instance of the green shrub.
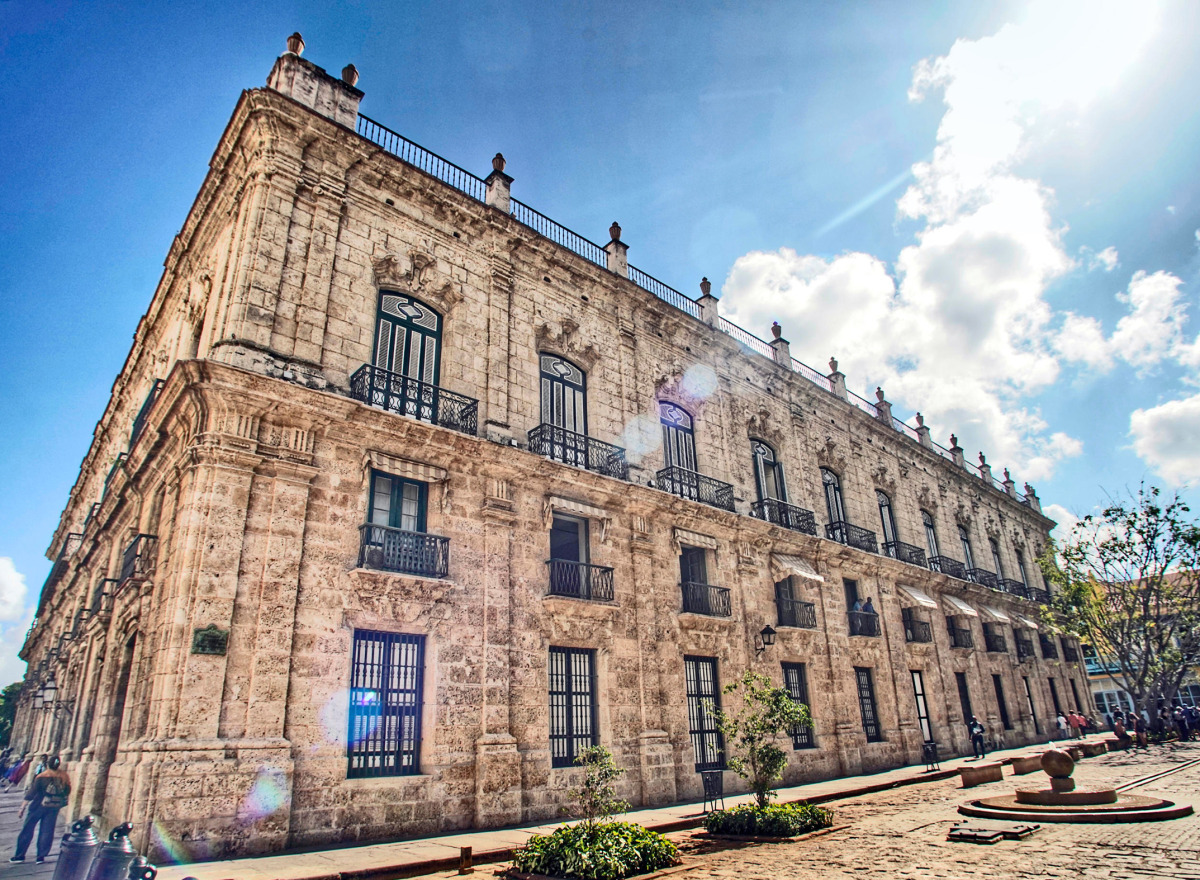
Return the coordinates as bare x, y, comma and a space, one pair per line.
775, 820
609, 851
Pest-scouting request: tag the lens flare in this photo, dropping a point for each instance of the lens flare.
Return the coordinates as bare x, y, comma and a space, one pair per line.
641, 437
173, 852
268, 794
699, 382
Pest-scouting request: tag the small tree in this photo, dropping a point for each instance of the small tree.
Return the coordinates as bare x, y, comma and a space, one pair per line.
766, 714
8, 710
1129, 585
596, 800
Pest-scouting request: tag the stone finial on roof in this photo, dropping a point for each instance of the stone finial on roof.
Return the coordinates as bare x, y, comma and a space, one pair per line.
498, 162
953, 441
705, 286
920, 421
295, 44
1006, 475
776, 330
982, 459
879, 395
833, 365
350, 75
614, 231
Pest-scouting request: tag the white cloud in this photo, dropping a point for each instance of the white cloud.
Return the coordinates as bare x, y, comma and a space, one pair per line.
1106, 260
1167, 437
12, 590
15, 618
1170, 209
1082, 340
1066, 521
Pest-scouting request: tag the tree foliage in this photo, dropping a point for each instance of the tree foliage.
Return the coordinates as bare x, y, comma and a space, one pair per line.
751, 733
595, 799
1128, 584
8, 710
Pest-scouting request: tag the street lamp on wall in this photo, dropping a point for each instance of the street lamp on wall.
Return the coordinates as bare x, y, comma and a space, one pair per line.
764, 640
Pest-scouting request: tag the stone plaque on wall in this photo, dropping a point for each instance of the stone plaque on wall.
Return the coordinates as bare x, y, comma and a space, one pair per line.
210, 640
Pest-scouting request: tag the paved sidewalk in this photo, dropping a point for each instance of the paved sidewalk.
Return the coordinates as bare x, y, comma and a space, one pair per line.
412, 857
10, 802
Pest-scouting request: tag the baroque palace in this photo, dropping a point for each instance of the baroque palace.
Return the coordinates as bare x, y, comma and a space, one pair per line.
407, 493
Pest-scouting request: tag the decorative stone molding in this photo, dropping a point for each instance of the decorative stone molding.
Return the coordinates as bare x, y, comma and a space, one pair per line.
417, 274
578, 508
564, 340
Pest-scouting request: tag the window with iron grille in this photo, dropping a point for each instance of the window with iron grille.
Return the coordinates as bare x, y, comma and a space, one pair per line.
573, 726
1001, 703
964, 696
795, 680
866, 703
679, 439
407, 337
703, 696
834, 507
386, 678
965, 540
918, 682
930, 533
768, 472
564, 394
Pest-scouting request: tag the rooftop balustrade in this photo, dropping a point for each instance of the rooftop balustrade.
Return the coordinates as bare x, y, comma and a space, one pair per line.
787, 515
695, 487
706, 599
580, 450
579, 580
852, 536
387, 549
415, 399
905, 553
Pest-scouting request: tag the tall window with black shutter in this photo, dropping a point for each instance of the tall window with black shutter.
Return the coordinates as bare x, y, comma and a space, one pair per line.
1054, 697
995, 547
930, 533
1021, 568
1001, 703
703, 695
573, 725
795, 680
965, 540
964, 695
834, 507
679, 437
918, 683
887, 520
386, 680
768, 473
867, 705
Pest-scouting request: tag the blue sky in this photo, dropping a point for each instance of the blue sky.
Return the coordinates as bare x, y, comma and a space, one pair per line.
991, 210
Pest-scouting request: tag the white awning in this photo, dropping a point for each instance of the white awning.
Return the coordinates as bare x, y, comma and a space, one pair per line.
694, 539
921, 598
958, 606
789, 565
1025, 621
994, 614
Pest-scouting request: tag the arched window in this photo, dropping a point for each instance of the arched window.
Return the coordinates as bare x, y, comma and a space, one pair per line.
679, 439
996, 557
564, 394
408, 338
930, 533
833, 496
968, 557
886, 518
768, 473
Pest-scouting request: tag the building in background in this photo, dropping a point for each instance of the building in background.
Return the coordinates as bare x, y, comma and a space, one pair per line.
407, 493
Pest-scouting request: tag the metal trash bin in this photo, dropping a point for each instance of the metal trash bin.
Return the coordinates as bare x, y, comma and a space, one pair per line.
714, 788
77, 851
930, 753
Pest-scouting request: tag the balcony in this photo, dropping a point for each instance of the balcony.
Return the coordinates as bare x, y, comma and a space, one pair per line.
138, 559
387, 549
695, 487
793, 612
578, 580
139, 421
705, 599
1049, 650
102, 596
983, 577
1015, 588
917, 630
1037, 594
1024, 647
960, 637
905, 553
863, 623
947, 566
994, 641
852, 536
579, 450
410, 397
1070, 654
787, 515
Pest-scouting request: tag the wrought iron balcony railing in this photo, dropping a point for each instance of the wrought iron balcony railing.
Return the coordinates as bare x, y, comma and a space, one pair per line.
852, 536
947, 566
102, 595
787, 515
1015, 588
579, 450
793, 612
388, 549
917, 631
863, 623
1037, 594
905, 553
706, 599
118, 462
983, 577
139, 421
416, 399
994, 641
960, 637
138, 559
695, 487
1024, 647
1049, 649
1069, 653
579, 580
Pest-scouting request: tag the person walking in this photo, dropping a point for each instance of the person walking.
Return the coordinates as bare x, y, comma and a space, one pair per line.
1062, 726
977, 745
46, 796
1139, 727
1073, 721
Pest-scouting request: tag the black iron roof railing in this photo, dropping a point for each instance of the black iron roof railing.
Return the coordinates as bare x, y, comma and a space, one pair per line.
579, 580
852, 536
580, 450
475, 187
787, 515
905, 553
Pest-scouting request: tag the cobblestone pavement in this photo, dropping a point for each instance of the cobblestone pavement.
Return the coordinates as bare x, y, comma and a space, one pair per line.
902, 833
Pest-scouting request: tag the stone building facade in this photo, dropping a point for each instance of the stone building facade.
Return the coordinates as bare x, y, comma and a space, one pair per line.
406, 493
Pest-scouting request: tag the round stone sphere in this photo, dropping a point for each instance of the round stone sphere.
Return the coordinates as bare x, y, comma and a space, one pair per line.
1056, 762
